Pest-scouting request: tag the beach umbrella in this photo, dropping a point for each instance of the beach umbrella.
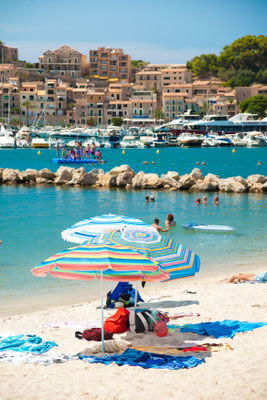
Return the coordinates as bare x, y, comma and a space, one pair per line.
172, 257
103, 261
91, 228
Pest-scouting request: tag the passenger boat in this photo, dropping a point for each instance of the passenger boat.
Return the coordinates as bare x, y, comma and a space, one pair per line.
190, 139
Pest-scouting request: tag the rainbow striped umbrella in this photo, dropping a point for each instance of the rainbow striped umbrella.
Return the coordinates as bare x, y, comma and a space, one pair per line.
91, 228
172, 257
104, 261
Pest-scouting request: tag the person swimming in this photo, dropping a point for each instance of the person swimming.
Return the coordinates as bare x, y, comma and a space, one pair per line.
170, 221
198, 201
205, 200
159, 228
146, 198
216, 200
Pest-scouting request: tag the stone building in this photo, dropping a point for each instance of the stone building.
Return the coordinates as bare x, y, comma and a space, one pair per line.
9, 53
64, 61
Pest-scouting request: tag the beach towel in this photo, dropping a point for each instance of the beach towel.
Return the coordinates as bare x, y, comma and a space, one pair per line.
29, 358
219, 329
146, 360
74, 324
25, 343
181, 350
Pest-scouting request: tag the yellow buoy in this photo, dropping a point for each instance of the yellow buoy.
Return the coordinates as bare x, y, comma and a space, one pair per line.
233, 151
39, 153
123, 151
157, 151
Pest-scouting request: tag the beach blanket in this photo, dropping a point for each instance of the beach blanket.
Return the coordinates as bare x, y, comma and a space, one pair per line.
146, 360
74, 324
219, 329
29, 358
181, 350
25, 343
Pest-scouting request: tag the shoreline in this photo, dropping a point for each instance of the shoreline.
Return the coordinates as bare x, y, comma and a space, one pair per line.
123, 177
80, 296
213, 299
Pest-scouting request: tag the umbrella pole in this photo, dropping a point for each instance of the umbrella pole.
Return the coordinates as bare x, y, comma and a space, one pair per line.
102, 313
135, 296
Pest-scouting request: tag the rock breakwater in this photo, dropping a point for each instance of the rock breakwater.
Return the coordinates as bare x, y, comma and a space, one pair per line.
123, 177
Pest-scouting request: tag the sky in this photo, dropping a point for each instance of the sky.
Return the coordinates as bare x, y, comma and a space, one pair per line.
156, 31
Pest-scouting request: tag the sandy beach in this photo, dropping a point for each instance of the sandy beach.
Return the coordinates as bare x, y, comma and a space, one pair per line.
227, 374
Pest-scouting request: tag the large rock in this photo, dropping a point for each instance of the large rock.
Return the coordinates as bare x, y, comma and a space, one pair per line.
256, 179
264, 188
256, 188
1, 173
233, 185
12, 176
63, 175
211, 178
173, 175
121, 169
168, 181
107, 180
77, 176
42, 181
92, 177
186, 182
152, 181
46, 174
196, 174
123, 179
205, 186
138, 180
30, 175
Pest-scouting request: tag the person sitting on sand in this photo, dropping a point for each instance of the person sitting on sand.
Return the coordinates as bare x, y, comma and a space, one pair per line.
262, 277
198, 201
170, 221
159, 228
146, 198
205, 200
216, 200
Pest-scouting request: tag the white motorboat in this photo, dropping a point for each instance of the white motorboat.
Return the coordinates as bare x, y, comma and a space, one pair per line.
131, 142
39, 143
22, 143
209, 141
223, 141
7, 142
190, 139
255, 139
238, 139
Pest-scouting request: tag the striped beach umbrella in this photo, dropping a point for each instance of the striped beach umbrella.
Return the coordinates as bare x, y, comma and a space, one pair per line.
91, 228
171, 256
103, 261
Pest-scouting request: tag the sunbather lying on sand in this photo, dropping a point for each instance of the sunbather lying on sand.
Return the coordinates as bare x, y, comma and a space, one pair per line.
262, 277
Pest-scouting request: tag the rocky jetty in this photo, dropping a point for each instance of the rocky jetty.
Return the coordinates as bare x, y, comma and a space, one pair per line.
123, 177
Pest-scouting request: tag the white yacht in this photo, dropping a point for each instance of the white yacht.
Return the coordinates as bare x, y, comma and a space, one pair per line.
6, 138
255, 139
209, 141
190, 139
223, 141
131, 142
238, 139
243, 122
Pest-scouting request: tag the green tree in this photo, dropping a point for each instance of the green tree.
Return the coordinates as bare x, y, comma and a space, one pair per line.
91, 122
261, 76
138, 64
117, 121
203, 64
15, 121
255, 105
159, 114
28, 65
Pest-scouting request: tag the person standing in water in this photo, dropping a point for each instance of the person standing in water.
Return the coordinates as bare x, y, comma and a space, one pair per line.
169, 223
159, 228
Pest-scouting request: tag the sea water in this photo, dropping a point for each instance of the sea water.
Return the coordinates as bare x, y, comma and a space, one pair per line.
32, 219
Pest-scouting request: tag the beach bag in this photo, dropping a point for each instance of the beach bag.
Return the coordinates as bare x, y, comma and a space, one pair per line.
93, 334
141, 321
117, 323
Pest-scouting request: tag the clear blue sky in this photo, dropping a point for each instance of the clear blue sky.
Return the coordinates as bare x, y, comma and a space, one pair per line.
171, 31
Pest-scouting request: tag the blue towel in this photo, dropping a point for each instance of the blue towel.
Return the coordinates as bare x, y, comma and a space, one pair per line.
146, 360
124, 288
219, 329
25, 343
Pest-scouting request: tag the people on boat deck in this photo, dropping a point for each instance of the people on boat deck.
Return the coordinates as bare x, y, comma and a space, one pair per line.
169, 223
159, 228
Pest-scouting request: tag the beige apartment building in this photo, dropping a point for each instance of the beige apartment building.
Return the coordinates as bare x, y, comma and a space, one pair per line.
10, 101
9, 53
175, 74
7, 71
64, 61
243, 93
92, 106
109, 65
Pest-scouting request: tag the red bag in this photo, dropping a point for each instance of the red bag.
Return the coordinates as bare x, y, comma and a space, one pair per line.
93, 334
117, 323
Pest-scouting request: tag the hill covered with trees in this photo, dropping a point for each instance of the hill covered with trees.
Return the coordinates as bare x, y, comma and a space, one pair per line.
241, 63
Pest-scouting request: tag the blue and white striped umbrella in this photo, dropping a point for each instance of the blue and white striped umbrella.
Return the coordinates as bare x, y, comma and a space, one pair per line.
91, 228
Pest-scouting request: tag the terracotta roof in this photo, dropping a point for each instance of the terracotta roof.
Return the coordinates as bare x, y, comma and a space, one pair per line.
201, 83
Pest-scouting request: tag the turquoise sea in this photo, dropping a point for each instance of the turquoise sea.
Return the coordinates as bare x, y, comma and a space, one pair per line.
33, 217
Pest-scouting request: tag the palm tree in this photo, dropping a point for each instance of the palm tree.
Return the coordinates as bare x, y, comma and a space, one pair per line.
27, 104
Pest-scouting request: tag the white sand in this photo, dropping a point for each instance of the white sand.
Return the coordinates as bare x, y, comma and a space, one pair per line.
228, 374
